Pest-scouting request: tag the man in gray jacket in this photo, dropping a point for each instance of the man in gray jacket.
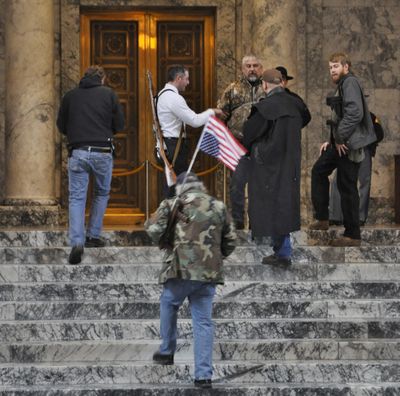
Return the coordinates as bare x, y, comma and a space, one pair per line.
351, 131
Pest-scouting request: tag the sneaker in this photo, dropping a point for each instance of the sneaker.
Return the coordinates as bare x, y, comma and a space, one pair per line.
164, 360
276, 260
75, 256
345, 241
203, 383
322, 225
94, 242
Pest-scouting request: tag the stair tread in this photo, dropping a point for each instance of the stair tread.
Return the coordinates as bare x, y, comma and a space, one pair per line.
330, 322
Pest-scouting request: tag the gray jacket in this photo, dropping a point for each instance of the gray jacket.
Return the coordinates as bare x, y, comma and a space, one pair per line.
355, 129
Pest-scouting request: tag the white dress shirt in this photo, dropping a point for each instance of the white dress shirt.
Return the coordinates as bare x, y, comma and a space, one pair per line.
172, 111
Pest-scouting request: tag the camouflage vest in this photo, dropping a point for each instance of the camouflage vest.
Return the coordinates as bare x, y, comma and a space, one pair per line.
237, 101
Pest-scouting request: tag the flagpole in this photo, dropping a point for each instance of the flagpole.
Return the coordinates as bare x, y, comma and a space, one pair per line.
192, 161
195, 152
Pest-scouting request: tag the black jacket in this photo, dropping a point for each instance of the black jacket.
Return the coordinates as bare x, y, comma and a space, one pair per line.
355, 128
90, 114
273, 134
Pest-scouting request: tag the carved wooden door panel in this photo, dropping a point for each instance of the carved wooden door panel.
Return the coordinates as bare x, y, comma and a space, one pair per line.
127, 44
183, 42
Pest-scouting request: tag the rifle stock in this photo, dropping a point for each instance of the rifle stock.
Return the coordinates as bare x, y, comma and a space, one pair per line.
169, 170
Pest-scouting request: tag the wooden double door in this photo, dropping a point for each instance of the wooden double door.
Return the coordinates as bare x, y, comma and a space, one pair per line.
127, 44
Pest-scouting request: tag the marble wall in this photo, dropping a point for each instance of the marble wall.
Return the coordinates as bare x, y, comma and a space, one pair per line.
369, 32
297, 34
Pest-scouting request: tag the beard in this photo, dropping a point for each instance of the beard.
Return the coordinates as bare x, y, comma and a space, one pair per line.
336, 77
252, 78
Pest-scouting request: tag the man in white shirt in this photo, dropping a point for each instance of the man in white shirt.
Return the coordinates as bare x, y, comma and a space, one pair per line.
174, 113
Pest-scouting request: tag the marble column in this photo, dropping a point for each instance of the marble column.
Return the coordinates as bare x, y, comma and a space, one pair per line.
270, 31
30, 134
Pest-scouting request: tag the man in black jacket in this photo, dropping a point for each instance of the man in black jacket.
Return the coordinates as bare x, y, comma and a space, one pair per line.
89, 116
351, 131
272, 134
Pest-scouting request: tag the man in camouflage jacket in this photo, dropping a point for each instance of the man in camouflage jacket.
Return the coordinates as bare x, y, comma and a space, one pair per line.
236, 102
204, 235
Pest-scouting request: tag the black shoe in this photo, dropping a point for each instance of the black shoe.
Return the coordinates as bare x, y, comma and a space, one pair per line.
94, 242
275, 260
75, 256
335, 222
165, 360
362, 223
204, 383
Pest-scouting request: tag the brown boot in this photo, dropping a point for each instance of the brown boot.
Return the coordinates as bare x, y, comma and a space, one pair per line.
345, 241
319, 225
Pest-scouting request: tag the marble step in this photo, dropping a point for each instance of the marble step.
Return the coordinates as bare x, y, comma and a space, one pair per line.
243, 254
248, 329
328, 309
309, 372
235, 350
249, 290
122, 273
377, 235
218, 390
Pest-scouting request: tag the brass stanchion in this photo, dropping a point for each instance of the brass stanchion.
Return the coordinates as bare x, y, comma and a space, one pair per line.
147, 175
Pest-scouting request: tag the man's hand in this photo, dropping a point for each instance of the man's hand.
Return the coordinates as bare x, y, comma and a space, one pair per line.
342, 149
323, 148
219, 113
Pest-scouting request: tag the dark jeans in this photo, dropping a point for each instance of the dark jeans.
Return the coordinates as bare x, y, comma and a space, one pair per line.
364, 188
181, 163
347, 176
237, 188
282, 245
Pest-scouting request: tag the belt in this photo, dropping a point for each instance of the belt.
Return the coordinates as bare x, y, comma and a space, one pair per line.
173, 138
95, 149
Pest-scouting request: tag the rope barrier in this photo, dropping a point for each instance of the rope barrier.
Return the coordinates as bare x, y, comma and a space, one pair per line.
129, 172
210, 170
160, 169
202, 173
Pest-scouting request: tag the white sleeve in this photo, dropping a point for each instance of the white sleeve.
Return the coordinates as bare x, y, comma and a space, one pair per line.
188, 116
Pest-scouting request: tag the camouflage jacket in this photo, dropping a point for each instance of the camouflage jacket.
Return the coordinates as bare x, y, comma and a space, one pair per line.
201, 243
237, 100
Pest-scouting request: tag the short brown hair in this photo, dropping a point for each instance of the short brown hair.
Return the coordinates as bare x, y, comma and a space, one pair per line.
95, 70
340, 57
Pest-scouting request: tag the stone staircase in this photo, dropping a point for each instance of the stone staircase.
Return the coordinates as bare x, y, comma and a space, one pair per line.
329, 325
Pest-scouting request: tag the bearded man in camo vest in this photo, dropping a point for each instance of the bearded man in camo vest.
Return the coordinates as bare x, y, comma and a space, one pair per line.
236, 102
204, 235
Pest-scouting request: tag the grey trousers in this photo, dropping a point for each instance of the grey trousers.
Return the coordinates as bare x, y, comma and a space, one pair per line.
364, 188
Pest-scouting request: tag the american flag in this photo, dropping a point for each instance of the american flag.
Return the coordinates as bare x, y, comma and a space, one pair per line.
217, 140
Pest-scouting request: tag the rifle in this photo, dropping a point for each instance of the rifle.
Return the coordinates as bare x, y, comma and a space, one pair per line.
166, 240
169, 170
335, 103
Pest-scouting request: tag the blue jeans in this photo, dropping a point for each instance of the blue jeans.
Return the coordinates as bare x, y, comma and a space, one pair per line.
282, 246
200, 296
80, 166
